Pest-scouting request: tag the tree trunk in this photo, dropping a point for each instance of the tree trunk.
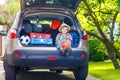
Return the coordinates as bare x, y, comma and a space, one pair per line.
117, 52
112, 55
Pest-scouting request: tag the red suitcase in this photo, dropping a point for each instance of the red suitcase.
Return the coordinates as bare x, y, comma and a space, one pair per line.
39, 35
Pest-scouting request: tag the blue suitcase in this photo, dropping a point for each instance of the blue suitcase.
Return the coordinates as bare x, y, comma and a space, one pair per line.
44, 41
75, 38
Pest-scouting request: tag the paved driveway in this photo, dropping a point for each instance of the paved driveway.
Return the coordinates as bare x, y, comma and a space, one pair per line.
43, 75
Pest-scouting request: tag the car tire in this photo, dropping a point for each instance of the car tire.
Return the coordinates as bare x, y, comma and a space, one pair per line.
81, 73
10, 73
59, 71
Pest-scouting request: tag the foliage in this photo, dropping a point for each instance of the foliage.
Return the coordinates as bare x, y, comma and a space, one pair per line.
97, 57
96, 17
1, 20
117, 44
9, 10
104, 13
118, 5
104, 71
97, 50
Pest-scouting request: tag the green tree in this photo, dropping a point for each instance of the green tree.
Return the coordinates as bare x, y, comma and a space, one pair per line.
96, 17
10, 9
1, 20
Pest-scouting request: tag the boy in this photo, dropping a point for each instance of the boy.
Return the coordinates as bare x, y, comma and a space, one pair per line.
65, 37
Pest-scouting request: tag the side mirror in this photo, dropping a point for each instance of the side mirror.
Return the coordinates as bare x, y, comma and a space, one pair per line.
3, 30
3, 33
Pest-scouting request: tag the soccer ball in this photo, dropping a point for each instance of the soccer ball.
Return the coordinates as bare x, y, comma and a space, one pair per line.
25, 40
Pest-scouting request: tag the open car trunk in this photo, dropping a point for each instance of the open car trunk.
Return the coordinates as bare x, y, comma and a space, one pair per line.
41, 29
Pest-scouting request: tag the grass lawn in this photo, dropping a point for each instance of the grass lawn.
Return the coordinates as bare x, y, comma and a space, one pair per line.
104, 71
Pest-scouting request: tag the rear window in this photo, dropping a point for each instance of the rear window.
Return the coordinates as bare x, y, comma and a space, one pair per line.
71, 4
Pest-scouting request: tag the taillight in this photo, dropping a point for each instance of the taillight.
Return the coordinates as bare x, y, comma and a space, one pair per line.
82, 55
17, 54
13, 33
85, 36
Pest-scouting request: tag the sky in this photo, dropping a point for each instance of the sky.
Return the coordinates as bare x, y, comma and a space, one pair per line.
2, 2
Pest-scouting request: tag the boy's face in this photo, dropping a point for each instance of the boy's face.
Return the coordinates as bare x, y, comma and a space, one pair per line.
64, 30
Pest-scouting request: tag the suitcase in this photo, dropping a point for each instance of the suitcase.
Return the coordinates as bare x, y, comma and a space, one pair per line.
75, 38
39, 35
42, 41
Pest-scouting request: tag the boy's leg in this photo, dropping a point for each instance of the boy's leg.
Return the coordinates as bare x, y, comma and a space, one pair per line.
66, 51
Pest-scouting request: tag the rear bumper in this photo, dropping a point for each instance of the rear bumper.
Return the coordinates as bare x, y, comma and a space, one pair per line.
47, 59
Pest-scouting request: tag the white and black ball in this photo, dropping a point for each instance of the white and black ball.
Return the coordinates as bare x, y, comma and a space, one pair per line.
24, 39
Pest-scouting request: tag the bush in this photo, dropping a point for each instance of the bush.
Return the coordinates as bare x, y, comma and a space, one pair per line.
2, 20
97, 50
97, 57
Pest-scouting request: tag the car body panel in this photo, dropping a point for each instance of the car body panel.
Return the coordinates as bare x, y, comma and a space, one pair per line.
38, 58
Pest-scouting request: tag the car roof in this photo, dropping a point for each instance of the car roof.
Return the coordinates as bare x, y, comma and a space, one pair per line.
57, 4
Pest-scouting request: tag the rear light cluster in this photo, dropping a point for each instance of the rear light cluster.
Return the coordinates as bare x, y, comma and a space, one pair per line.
13, 33
17, 54
85, 36
82, 55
